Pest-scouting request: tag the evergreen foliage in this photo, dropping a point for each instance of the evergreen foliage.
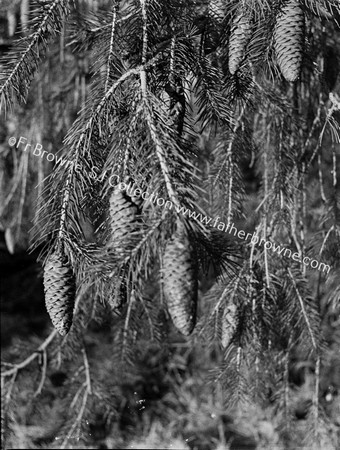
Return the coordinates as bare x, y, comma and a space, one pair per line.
229, 109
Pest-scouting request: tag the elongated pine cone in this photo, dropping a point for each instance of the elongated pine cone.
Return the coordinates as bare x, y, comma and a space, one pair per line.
229, 323
123, 218
239, 39
59, 286
288, 39
180, 282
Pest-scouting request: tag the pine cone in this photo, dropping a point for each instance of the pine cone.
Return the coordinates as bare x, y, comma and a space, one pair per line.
180, 283
239, 38
288, 39
228, 324
123, 213
59, 286
215, 8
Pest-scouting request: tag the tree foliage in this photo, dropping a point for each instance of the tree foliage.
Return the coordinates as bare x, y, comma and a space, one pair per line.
228, 109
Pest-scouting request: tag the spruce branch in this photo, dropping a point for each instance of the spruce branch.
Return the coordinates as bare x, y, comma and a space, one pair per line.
15, 81
84, 140
334, 127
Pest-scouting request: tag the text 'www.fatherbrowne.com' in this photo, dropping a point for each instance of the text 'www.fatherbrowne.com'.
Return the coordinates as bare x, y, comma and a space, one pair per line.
227, 228
114, 181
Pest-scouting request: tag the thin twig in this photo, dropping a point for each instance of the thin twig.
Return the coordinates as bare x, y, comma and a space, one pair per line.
322, 192
266, 209
113, 29
304, 312
77, 394
102, 27
32, 357
316, 397
43, 374
87, 371
77, 422
162, 159
325, 239
126, 324
145, 48
9, 391
230, 145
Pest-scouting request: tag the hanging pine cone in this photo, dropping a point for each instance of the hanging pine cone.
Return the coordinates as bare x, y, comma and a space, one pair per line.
239, 38
228, 324
59, 286
288, 39
180, 282
123, 218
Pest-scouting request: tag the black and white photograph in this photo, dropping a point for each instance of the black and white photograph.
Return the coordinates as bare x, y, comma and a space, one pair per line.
170, 224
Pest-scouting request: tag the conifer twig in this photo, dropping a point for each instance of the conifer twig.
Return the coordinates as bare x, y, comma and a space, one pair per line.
145, 48
87, 371
88, 391
231, 142
303, 309
286, 382
79, 417
32, 357
126, 323
316, 395
112, 37
161, 157
325, 239
265, 215
9, 391
43, 373
322, 192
